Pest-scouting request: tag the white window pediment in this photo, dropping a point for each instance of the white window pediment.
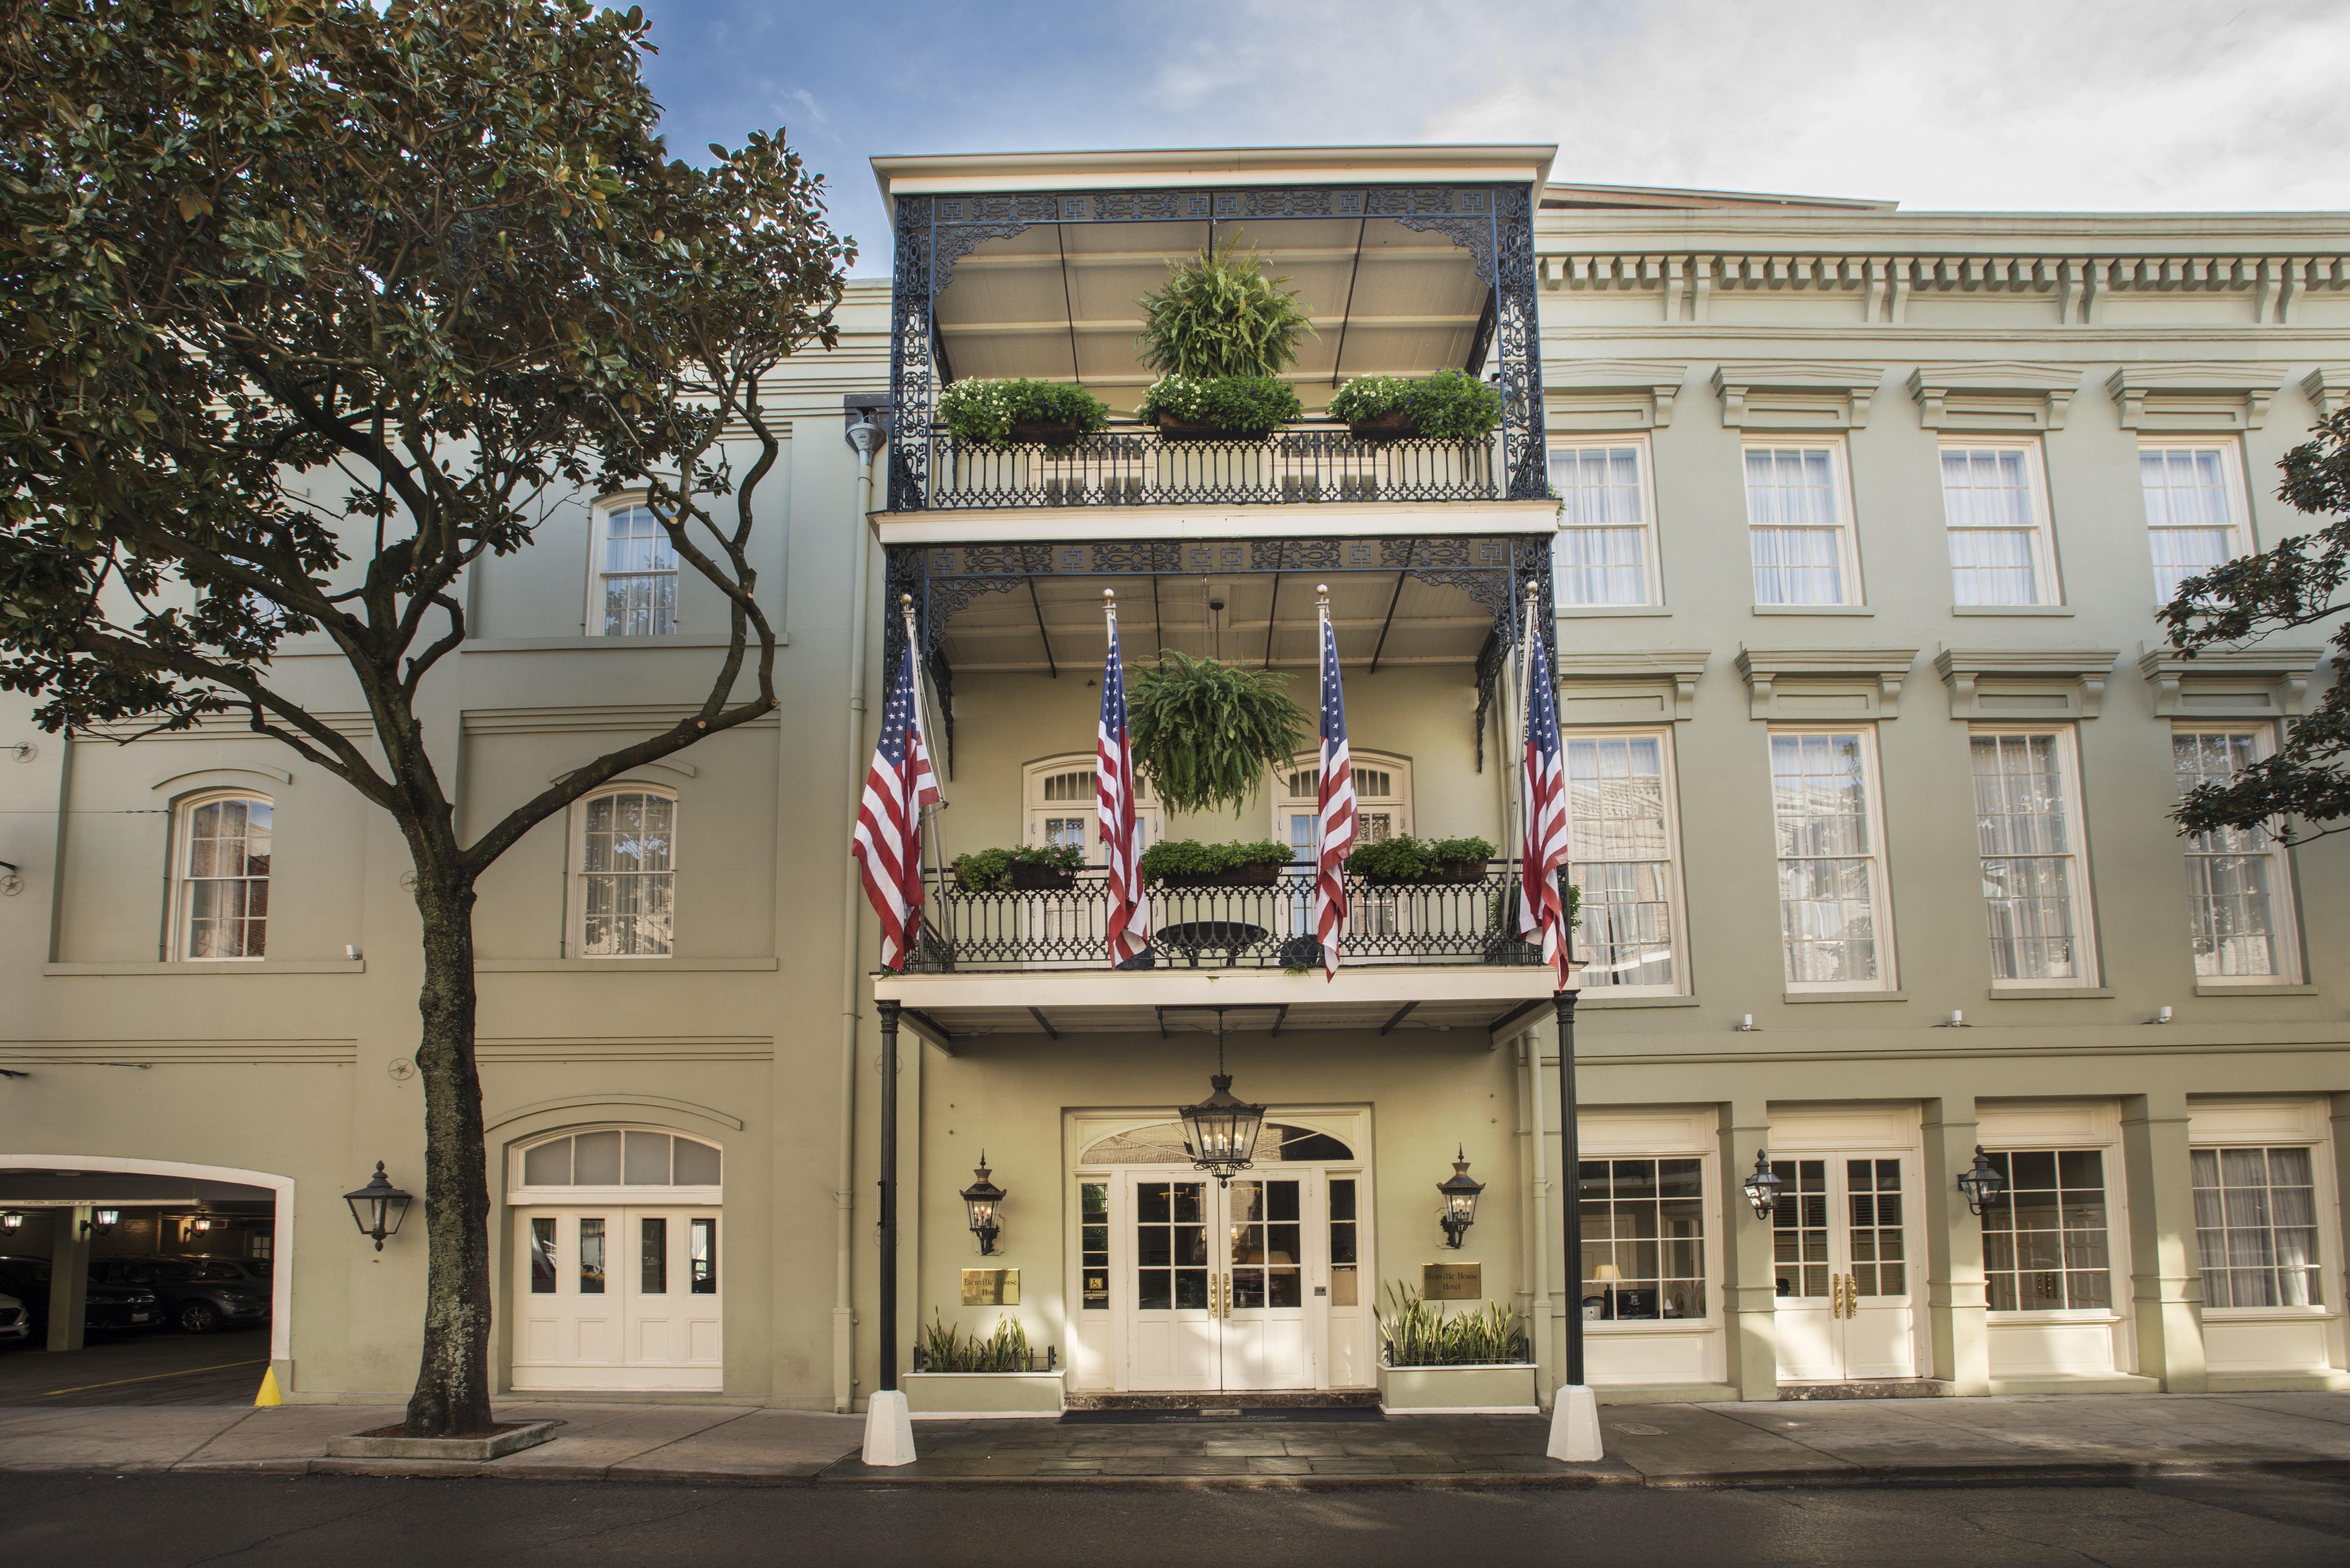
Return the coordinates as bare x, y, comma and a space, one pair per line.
2194, 396
1610, 395
2004, 395
1796, 396
1790, 684
2253, 683
2034, 683
1615, 685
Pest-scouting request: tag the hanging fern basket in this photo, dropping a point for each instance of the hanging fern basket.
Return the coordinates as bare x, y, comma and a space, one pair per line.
1206, 732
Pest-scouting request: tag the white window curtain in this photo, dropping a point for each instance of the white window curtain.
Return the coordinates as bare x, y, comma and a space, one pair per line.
2234, 875
225, 885
1828, 876
2256, 1227
627, 874
1796, 525
1990, 509
2030, 866
2190, 512
640, 575
1620, 849
1600, 554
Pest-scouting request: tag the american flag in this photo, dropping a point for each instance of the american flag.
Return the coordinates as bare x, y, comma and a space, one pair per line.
1121, 834
1334, 828
1541, 914
888, 842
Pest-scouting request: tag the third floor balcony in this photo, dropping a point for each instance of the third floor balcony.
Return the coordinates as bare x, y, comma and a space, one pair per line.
1405, 262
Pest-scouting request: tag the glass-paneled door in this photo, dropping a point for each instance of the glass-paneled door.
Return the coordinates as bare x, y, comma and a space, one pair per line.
1218, 1296
1841, 1264
614, 1297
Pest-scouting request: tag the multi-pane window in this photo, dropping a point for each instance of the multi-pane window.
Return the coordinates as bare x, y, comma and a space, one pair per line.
702, 1256
1093, 1254
2256, 1227
1991, 507
626, 875
1170, 1246
1797, 525
1644, 1223
2034, 894
1601, 553
2194, 511
1620, 843
1831, 876
1346, 1258
2235, 876
225, 877
636, 582
2044, 1234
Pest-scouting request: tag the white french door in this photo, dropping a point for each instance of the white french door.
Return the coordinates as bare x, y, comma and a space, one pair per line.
1225, 1286
1842, 1262
617, 1297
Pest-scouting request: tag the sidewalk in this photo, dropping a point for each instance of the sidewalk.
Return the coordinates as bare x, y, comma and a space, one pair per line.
1808, 1443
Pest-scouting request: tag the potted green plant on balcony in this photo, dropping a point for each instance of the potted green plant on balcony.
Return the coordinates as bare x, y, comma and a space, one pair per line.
1206, 732
1451, 405
1027, 868
995, 414
1188, 862
1389, 862
1459, 859
1220, 334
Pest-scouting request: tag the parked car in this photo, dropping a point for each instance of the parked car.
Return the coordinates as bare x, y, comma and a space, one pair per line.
109, 1308
15, 1323
198, 1294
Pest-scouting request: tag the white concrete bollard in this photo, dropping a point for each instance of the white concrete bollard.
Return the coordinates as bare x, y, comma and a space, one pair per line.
1574, 1427
889, 1430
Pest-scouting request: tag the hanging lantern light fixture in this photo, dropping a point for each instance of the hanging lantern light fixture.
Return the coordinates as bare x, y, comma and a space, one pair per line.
1763, 1187
1981, 1182
1220, 1132
983, 1195
1460, 1201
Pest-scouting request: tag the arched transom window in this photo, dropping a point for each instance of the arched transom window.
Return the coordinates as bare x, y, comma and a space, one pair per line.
618, 1156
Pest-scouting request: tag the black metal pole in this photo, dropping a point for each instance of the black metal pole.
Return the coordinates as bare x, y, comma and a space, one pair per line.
1570, 1168
888, 1185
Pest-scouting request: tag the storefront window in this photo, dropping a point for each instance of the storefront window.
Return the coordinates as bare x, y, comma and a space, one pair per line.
2256, 1227
1643, 1239
2044, 1234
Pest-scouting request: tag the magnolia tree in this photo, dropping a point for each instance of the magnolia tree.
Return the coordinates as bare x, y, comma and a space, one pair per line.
2302, 791
306, 307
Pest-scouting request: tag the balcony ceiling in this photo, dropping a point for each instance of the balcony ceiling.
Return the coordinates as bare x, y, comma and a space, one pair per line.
1058, 302
1062, 626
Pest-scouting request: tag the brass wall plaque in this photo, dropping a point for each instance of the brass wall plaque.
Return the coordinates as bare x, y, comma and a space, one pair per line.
1438, 1281
996, 1287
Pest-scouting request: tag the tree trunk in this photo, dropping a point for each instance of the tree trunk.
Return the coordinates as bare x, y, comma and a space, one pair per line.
452, 1380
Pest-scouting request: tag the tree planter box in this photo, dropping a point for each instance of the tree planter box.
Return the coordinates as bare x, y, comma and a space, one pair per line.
984, 1393
1505, 1390
386, 1443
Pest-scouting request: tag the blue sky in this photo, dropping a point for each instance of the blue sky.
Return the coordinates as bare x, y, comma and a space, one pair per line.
2000, 104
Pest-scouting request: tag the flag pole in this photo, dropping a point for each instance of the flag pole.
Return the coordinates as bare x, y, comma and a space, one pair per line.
1521, 667
922, 717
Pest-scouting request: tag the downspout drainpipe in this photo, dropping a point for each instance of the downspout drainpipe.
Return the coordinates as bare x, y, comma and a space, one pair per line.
865, 436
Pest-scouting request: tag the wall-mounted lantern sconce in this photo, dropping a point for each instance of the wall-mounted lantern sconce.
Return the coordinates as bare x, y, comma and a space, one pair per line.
204, 1223
377, 1208
101, 1221
11, 1222
1763, 1187
1981, 1183
983, 1196
1460, 1201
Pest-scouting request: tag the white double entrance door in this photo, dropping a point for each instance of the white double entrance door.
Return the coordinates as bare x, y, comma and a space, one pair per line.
1226, 1285
617, 1297
1843, 1268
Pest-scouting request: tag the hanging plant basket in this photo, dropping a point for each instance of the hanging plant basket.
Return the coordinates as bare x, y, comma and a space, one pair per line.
1206, 734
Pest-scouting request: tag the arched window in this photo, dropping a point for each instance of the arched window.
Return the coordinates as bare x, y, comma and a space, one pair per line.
222, 877
616, 1157
1061, 807
633, 588
1382, 800
624, 872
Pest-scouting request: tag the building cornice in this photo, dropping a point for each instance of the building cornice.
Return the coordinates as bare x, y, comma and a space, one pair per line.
2194, 396
974, 172
1993, 394
2019, 682
1819, 684
2229, 683
1670, 672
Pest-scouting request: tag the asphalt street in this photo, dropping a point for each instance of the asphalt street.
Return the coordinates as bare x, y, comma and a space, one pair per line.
354, 1522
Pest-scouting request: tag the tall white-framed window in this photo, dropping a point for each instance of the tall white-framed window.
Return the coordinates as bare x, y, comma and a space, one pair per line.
2239, 882
222, 876
2034, 871
632, 590
2195, 507
1606, 549
1382, 800
1063, 810
2256, 1227
1995, 509
1833, 922
1623, 836
624, 872
1799, 523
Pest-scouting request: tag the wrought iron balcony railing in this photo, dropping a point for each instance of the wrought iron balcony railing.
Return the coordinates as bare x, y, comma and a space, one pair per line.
1270, 927
1134, 465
